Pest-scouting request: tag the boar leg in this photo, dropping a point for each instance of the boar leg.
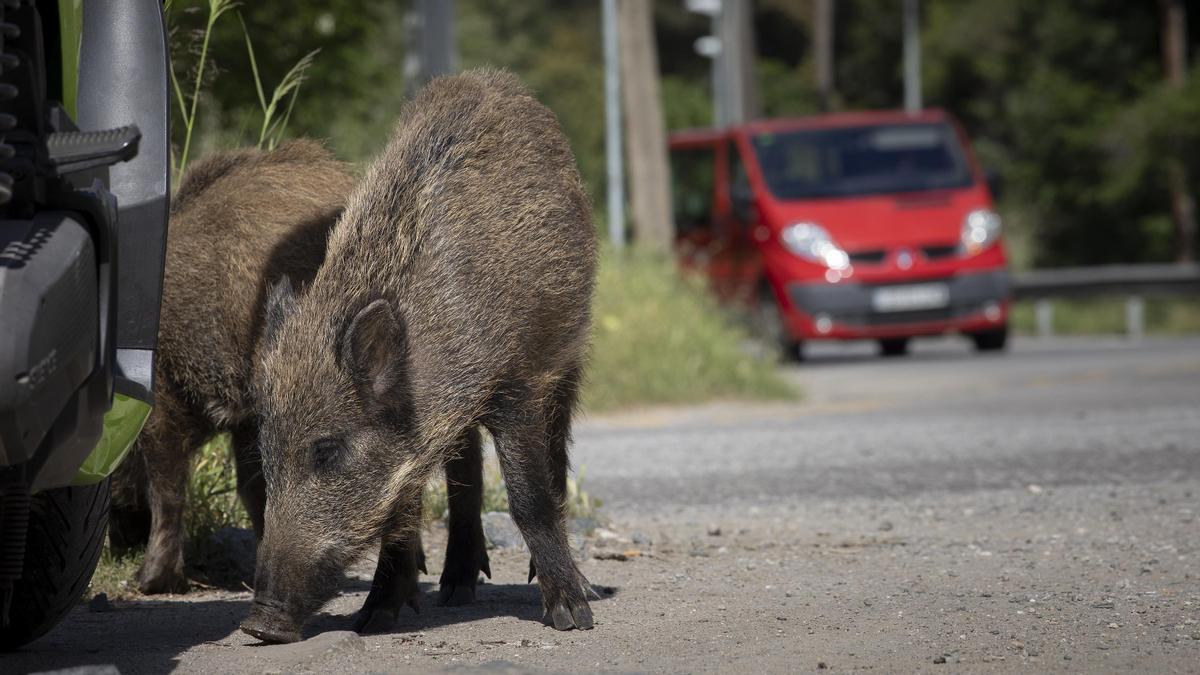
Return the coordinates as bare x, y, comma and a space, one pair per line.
466, 551
251, 486
167, 449
401, 560
533, 457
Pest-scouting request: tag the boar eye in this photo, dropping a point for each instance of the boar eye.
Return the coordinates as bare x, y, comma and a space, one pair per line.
325, 453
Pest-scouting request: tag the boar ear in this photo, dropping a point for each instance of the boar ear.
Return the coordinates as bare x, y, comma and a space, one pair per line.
281, 300
373, 350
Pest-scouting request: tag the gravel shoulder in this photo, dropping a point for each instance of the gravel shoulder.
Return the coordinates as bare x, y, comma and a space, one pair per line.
941, 514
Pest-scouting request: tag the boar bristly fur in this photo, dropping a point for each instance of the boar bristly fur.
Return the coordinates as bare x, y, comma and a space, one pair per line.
240, 221
455, 293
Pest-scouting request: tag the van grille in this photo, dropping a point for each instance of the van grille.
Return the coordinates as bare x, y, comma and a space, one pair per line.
878, 255
872, 257
937, 252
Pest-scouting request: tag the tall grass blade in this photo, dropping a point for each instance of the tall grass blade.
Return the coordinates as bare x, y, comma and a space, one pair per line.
262, 99
290, 85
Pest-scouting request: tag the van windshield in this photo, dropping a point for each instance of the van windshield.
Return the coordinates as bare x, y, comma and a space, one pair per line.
853, 161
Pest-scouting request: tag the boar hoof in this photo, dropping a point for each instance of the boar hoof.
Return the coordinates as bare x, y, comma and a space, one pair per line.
377, 620
577, 616
378, 615
456, 596
269, 623
152, 581
268, 634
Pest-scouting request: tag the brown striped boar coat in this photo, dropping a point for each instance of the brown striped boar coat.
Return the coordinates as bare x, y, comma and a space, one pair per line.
455, 294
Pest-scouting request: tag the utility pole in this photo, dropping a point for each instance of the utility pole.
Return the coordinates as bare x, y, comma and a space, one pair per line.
429, 37
711, 46
737, 34
1174, 51
612, 126
912, 56
731, 47
823, 46
646, 136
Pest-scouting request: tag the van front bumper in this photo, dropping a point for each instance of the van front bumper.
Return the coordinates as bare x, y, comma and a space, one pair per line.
974, 301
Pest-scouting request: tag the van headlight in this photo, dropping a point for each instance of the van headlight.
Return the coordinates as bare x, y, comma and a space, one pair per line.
811, 242
980, 229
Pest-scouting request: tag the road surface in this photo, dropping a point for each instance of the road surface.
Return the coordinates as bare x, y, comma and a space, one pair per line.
1038, 510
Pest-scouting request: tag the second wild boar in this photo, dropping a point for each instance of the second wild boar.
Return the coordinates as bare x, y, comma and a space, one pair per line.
241, 220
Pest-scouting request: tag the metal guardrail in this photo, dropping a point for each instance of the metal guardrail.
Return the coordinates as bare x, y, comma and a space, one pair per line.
1133, 281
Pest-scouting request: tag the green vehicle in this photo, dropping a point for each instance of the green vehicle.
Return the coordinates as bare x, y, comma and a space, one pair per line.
84, 198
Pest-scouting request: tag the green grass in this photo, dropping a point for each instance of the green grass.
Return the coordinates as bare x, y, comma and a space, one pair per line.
661, 338
212, 501
113, 574
1175, 315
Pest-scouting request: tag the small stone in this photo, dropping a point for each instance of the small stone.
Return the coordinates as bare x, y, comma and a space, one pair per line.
714, 530
1104, 604
231, 551
605, 534
100, 603
639, 539
501, 532
939, 659
887, 526
821, 665
318, 646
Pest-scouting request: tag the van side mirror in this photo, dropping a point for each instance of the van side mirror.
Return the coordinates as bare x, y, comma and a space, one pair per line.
995, 183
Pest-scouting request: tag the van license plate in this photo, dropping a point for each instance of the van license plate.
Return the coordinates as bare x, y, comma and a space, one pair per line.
910, 298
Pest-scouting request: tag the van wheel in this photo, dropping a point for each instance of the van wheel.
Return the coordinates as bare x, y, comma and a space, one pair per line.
792, 351
994, 340
771, 329
893, 346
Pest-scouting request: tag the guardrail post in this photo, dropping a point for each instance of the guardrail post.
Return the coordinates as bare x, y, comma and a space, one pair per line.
1135, 317
1043, 311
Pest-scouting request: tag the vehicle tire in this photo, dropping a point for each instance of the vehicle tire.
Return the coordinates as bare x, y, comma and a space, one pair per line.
770, 326
893, 346
994, 340
792, 351
66, 533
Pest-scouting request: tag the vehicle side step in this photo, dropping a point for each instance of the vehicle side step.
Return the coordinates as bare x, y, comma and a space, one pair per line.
71, 151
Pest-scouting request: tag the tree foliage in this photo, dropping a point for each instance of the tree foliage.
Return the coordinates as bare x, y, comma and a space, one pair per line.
1063, 99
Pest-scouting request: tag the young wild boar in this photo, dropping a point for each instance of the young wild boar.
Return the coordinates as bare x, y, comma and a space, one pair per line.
240, 221
455, 293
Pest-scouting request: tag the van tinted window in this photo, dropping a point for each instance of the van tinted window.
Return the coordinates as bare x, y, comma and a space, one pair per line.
861, 160
692, 188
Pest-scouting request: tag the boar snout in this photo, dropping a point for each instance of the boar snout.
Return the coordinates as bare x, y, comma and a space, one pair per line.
291, 582
269, 621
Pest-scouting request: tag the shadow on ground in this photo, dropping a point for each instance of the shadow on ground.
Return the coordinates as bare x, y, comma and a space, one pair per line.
148, 636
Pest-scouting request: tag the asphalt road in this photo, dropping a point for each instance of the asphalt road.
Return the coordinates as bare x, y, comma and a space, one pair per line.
941, 512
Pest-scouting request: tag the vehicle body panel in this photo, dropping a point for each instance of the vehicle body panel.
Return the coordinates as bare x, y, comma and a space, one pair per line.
892, 239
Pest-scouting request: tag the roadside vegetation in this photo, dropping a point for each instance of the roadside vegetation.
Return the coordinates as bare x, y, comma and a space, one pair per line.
661, 338
1178, 315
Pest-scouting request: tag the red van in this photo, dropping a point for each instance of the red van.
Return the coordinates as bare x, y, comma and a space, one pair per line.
876, 225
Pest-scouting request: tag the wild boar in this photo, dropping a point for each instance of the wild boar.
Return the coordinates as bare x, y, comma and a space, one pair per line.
240, 221
455, 294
